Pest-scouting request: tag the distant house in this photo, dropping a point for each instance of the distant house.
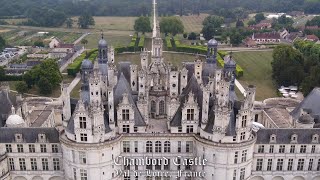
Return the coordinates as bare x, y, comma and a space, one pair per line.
261, 38
312, 37
249, 42
293, 36
284, 34
312, 28
55, 42
261, 26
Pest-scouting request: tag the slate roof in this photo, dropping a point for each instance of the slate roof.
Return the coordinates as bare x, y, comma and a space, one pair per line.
124, 68
30, 135
310, 104
283, 136
124, 87
6, 102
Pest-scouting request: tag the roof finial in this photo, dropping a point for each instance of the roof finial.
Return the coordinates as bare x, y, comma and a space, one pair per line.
13, 110
101, 34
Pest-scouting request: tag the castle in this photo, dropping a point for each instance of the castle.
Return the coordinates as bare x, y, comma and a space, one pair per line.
155, 121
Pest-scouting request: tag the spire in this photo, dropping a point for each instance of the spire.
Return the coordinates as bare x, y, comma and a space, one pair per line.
101, 34
155, 19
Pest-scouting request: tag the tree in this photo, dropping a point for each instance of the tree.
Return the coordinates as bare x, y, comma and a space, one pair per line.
84, 41
2, 73
185, 35
259, 17
239, 23
192, 36
235, 38
2, 43
216, 21
21, 87
171, 25
252, 22
38, 44
44, 85
69, 23
85, 20
208, 31
45, 17
142, 24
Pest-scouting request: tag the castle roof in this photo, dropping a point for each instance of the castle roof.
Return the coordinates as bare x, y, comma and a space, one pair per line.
29, 135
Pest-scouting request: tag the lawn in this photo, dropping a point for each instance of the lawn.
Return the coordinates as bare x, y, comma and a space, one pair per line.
257, 71
114, 38
193, 23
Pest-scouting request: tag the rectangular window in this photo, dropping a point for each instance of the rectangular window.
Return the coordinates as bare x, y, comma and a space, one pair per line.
126, 128
83, 174
244, 121
32, 148
166, 147
20, 148
259, 164
180, 129
242, 136
136, 146
279, 164
33, 162
22, 163
179, 146
189, 147
190, 114
45, 164
83, 137
261, 149
126, 146
74, 173
55, 148
135, 129
271, 149
236, 154
234, 175
149, 167
292, 148
269, 165
149, 147
83, 122
167, 166
82, 157
290, 164
11, 164
300, 165
310, 165
303, 149
244, 156
43, 148
157, 166
187, 166
318, 166
282, 148
242, 173
313, 148
8, 148
189, 129
178, 162
125, 114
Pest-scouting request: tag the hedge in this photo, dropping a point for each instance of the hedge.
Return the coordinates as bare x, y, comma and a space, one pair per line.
141, 42
132, 45
11, 78
74, 68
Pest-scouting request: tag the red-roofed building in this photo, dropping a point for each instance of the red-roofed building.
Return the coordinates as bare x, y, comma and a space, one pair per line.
312, 37
312, 28
260, 26
261, 38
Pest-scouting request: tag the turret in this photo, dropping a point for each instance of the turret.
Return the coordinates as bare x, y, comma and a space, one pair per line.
134, 77
144, 56
174, 80
183, 79
198, 70
66, 106
212, 51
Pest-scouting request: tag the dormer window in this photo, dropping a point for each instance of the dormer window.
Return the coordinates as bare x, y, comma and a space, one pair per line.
125, 114
315, 138
190, 114
294, 138
273, 138
18, 137
41, 137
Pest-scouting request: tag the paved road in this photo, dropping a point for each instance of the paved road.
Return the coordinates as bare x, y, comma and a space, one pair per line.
80, 38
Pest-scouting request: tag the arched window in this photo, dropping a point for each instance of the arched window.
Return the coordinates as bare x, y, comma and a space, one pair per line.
161, 108
158, 147
153, 106
167, 147
149, 147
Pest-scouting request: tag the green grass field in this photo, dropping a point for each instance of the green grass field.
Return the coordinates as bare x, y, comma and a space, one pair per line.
257, 71
193, 23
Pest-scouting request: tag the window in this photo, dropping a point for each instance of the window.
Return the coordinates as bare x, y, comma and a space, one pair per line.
179, 146
256, 118
125, 114
126, 128
259, 165
187, 165
126, 166
318, 166
282, 148
83, 122
310, 165
236, 154
242, 173
83, 174
11, 164
300, 165
45, 165
179, 129
161, 108
33, 162
43, 148
290, 164
261, 149
167, 166
149, 147
135, 129
126, 146
158, 147
244, 156
54, 148
271, 149
167, 147
190, 114
244, 121
32, 148
189, 146
8, 148
153, 106
189, 129
279, 164
178, 162
74, 173
234, 174
242, 136
136, 146
313, 149
149, 166
303, 149
83, 137
82, 157
269, 165
20, 148
292, 148
22, 163
157, 165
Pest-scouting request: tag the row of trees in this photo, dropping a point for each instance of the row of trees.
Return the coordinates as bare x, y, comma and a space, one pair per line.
2, 43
